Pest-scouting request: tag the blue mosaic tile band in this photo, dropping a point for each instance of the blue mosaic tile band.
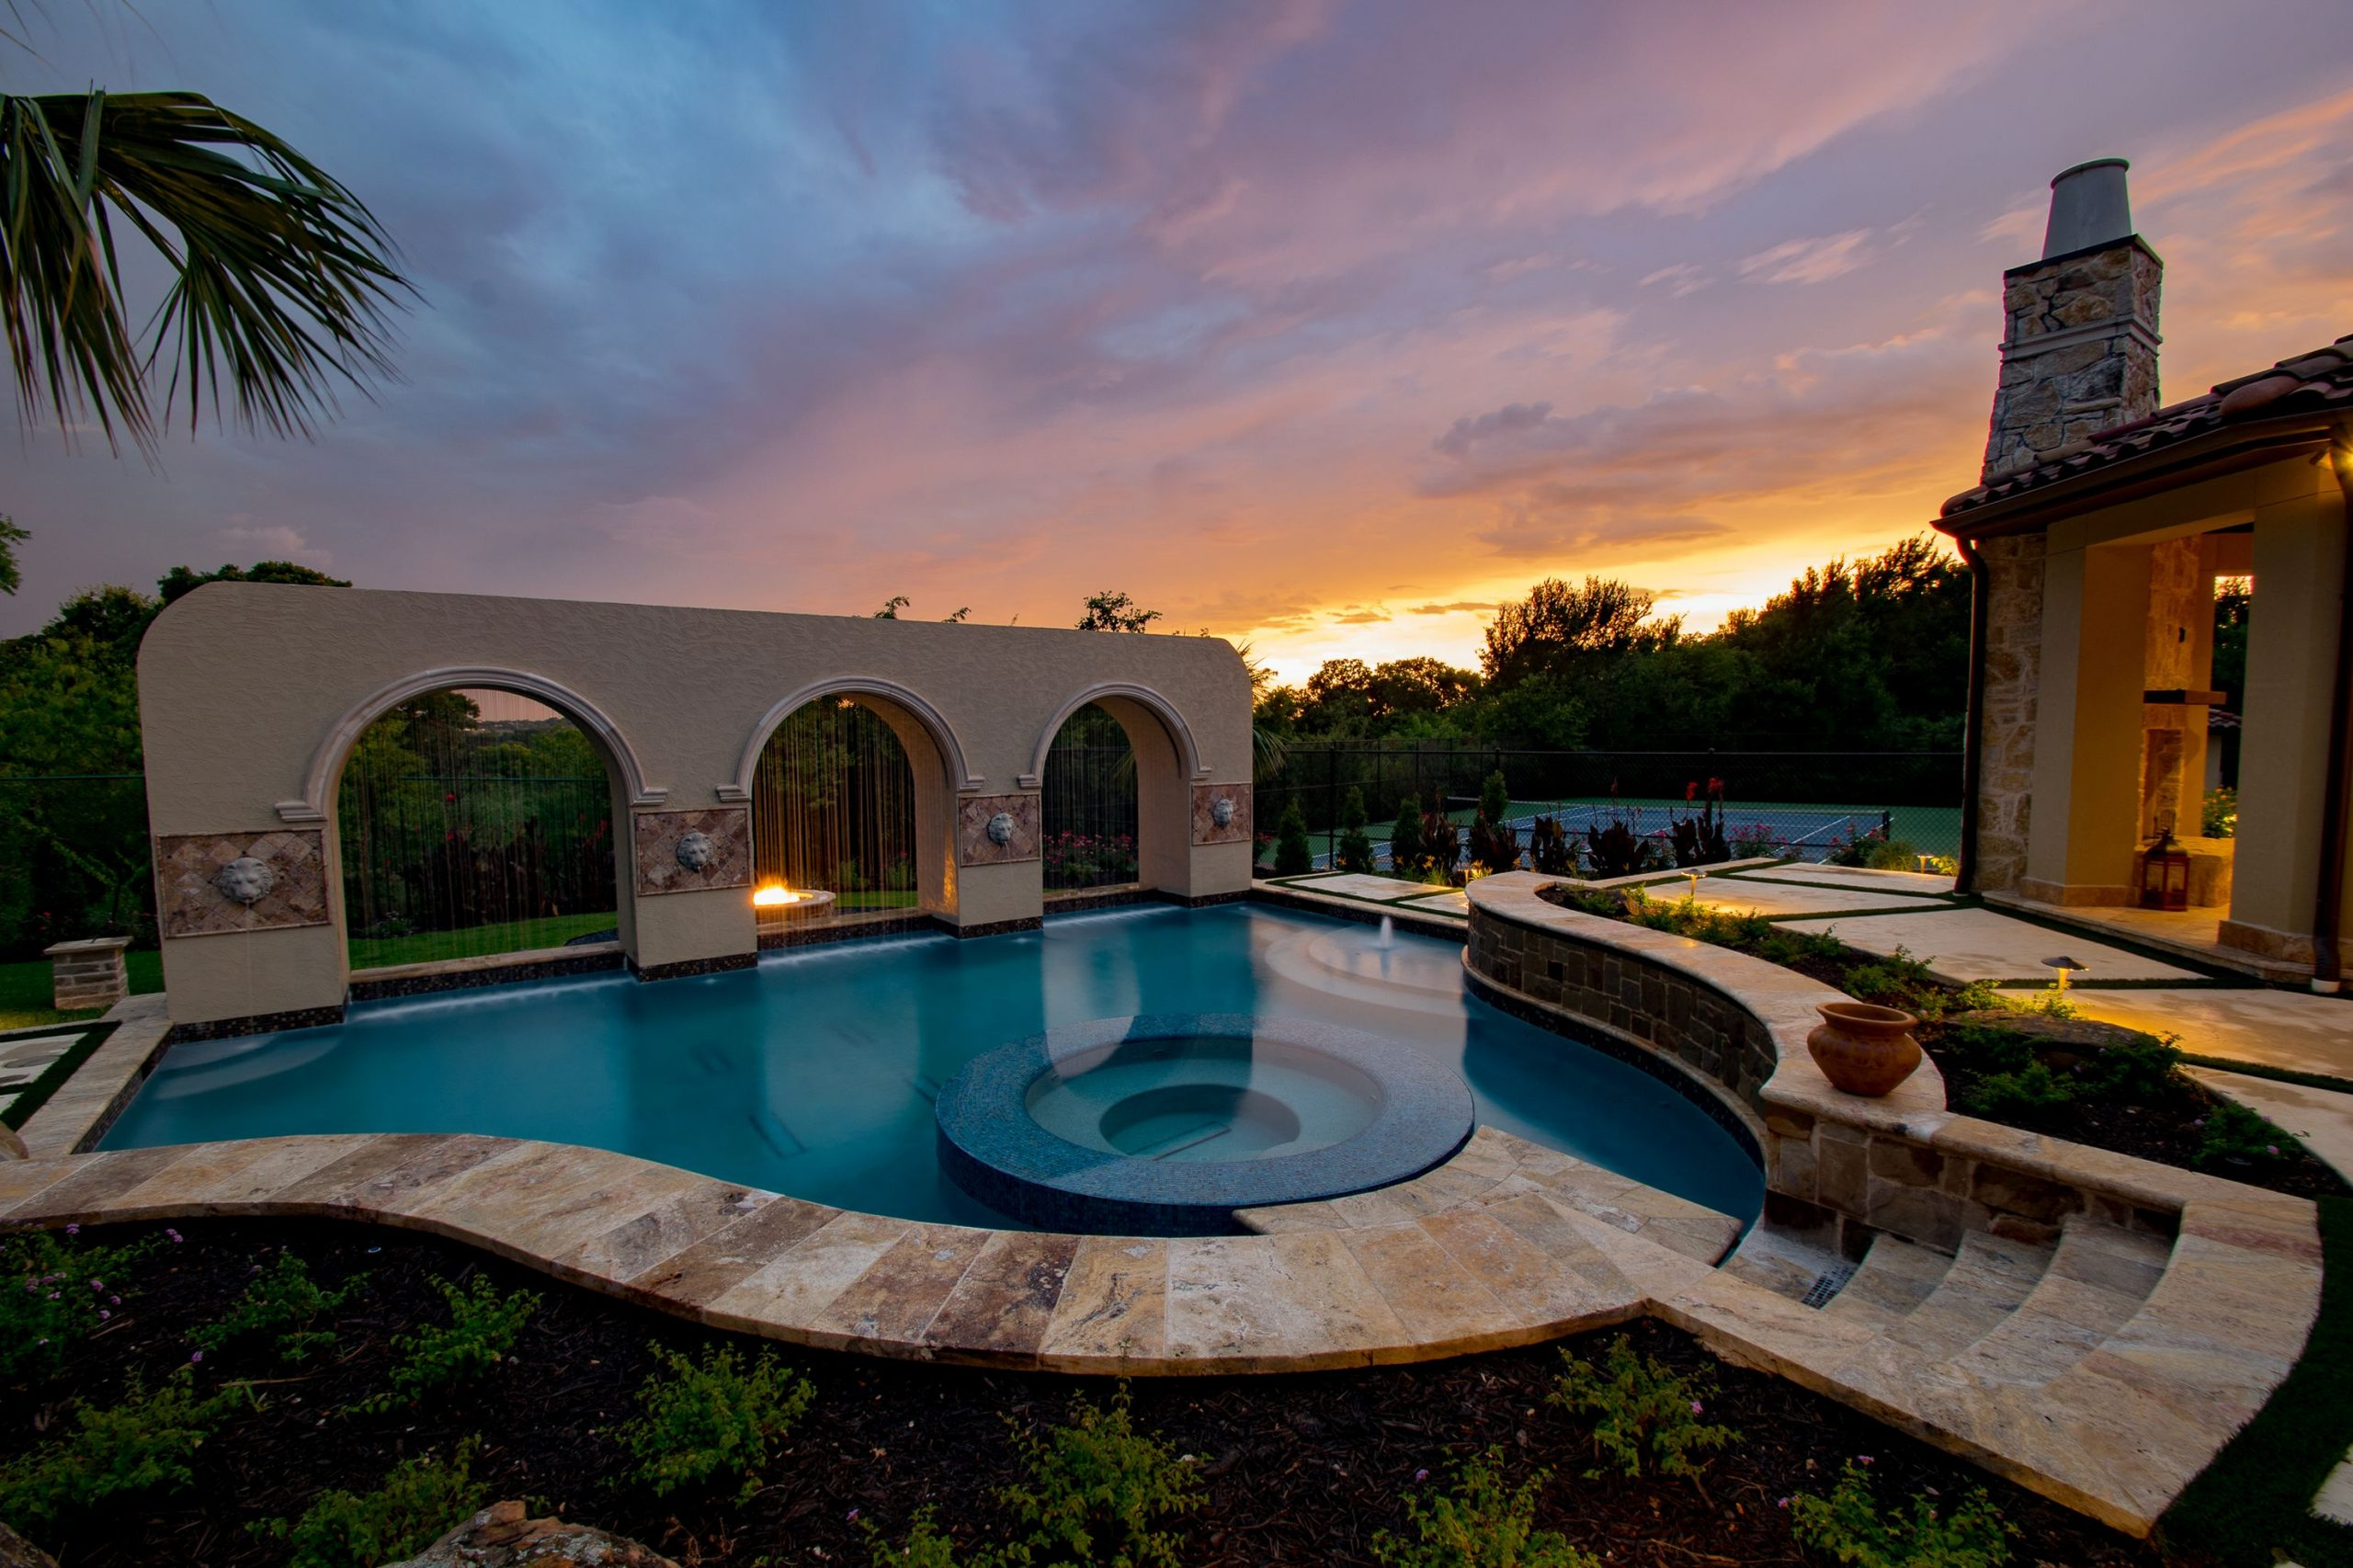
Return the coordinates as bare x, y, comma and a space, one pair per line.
994, 1149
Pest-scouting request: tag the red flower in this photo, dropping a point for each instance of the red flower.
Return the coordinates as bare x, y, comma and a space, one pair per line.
1691, 791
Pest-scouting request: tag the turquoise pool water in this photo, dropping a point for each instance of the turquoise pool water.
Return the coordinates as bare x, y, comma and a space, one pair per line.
814, 1074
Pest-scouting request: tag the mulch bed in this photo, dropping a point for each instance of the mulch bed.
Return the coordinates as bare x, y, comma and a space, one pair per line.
1300, 1469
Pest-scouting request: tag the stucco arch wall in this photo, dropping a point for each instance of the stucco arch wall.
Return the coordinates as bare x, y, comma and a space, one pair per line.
241, 684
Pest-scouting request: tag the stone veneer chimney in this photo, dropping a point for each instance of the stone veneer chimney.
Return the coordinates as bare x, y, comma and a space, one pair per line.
2080, 354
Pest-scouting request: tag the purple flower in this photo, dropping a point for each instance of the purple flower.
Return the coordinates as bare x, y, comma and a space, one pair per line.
2271, 1149
194, 1355
1421, 1475
104, 1314
852, 1516
1784, 1503
72, 1229
169, 1231
1694, 1407
1862, 1459
114, 1300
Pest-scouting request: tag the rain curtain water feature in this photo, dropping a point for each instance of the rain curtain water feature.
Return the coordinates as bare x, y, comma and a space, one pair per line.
1087, 818
463, 837
834, 808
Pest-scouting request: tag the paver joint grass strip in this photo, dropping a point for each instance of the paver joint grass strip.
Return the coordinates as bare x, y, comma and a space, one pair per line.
53, 1077
2253, 1506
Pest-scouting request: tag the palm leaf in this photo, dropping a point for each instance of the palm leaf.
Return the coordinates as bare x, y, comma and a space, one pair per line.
281, 278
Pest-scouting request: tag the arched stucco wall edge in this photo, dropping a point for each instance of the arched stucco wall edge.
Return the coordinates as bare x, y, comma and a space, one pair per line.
960, 777
328, 761
1188, 755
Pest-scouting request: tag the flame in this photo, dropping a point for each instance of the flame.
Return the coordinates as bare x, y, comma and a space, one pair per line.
775, 894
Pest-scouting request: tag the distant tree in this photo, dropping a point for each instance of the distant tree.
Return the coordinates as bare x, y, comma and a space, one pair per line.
1110, 612
892, 606
1495, 797
11, 536
1354, 851
179, 581
958, 616
1292, 855
1560, 625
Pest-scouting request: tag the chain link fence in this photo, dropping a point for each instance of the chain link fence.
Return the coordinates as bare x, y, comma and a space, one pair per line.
1807, 804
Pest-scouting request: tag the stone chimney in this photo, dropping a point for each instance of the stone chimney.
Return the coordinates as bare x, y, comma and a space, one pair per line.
2080, 354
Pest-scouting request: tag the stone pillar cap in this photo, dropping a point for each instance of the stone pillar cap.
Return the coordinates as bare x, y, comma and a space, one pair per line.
87, 945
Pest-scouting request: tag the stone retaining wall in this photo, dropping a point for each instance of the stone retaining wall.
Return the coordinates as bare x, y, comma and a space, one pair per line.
88, 973
1902, 1165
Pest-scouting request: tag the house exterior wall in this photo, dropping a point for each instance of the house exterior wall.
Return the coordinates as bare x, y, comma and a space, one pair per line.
247, 691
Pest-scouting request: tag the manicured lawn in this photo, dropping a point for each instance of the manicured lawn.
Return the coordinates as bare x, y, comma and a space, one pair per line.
24, 989
513, 936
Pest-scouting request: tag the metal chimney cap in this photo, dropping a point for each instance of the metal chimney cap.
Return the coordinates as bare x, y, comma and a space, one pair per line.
2089, 207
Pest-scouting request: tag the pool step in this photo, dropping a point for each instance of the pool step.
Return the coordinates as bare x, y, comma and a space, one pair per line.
2098, 1278
1893, 1279
1801, 1265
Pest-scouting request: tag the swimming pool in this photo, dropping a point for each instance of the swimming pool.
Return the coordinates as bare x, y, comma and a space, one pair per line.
814, 1074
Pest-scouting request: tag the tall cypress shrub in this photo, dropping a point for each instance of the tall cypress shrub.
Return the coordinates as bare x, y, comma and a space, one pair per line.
1405, 839
1354, 852
1293, 856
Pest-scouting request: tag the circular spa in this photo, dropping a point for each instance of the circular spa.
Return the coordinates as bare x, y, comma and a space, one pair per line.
1168, 1124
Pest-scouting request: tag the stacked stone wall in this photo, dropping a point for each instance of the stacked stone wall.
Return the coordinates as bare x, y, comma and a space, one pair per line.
2013, 674
2080, 355
87, 974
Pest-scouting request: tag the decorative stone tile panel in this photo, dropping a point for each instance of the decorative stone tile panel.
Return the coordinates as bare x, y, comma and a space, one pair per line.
1232, 801
188, 872
997, 830
724, 849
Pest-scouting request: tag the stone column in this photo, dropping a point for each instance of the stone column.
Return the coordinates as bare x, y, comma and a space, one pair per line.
87, 974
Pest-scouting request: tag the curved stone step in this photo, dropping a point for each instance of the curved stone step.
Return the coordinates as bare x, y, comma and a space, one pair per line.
1894, 1278
2098, 1278
1987, 1280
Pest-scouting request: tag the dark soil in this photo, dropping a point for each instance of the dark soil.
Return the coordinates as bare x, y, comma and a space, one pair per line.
1302, 1469
2169, 1131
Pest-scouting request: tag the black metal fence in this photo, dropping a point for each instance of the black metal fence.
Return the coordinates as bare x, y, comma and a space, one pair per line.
1087, 814
73, 861
1809, 804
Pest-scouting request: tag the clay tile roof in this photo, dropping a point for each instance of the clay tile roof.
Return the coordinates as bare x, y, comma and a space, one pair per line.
2315, 382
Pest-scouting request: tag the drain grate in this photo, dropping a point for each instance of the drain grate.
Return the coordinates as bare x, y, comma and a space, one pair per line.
1828, 1285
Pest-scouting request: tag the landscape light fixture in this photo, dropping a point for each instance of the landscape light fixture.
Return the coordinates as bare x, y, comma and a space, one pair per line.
2066, 966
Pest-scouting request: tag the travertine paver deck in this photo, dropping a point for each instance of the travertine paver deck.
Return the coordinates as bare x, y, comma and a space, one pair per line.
1978, 944
1910, 882
1506, 1243
1355, 884
1757, 895
2290, 1029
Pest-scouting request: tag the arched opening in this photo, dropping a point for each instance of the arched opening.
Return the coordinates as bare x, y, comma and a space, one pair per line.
1087, 818
471, 823
836, 809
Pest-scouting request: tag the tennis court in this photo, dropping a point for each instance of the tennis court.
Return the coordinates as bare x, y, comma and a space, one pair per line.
1805, 832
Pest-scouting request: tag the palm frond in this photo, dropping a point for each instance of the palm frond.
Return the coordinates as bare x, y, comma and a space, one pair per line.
282, 279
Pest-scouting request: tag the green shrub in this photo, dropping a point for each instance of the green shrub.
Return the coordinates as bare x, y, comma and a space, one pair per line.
1405, 839
483, 1327
2234, 1134
1495, 797
143, 1441
1095, 1489
1847, 1527
2031, 1093
1441, 843
713, 1418
1293, 856
53, 1290
2143, 1070
925, 1547
1354, 851
421, 1500
1896, 855
1782, 946
1638, 1406
286, 1301
1478, 1524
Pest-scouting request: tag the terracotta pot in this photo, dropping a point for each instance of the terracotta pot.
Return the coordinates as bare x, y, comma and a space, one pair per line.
1862, 1049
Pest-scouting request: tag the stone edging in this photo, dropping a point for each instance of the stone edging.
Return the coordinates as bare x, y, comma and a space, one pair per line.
1506, 1243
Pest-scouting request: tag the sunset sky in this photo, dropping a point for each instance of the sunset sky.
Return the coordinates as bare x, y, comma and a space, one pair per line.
1319, 324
